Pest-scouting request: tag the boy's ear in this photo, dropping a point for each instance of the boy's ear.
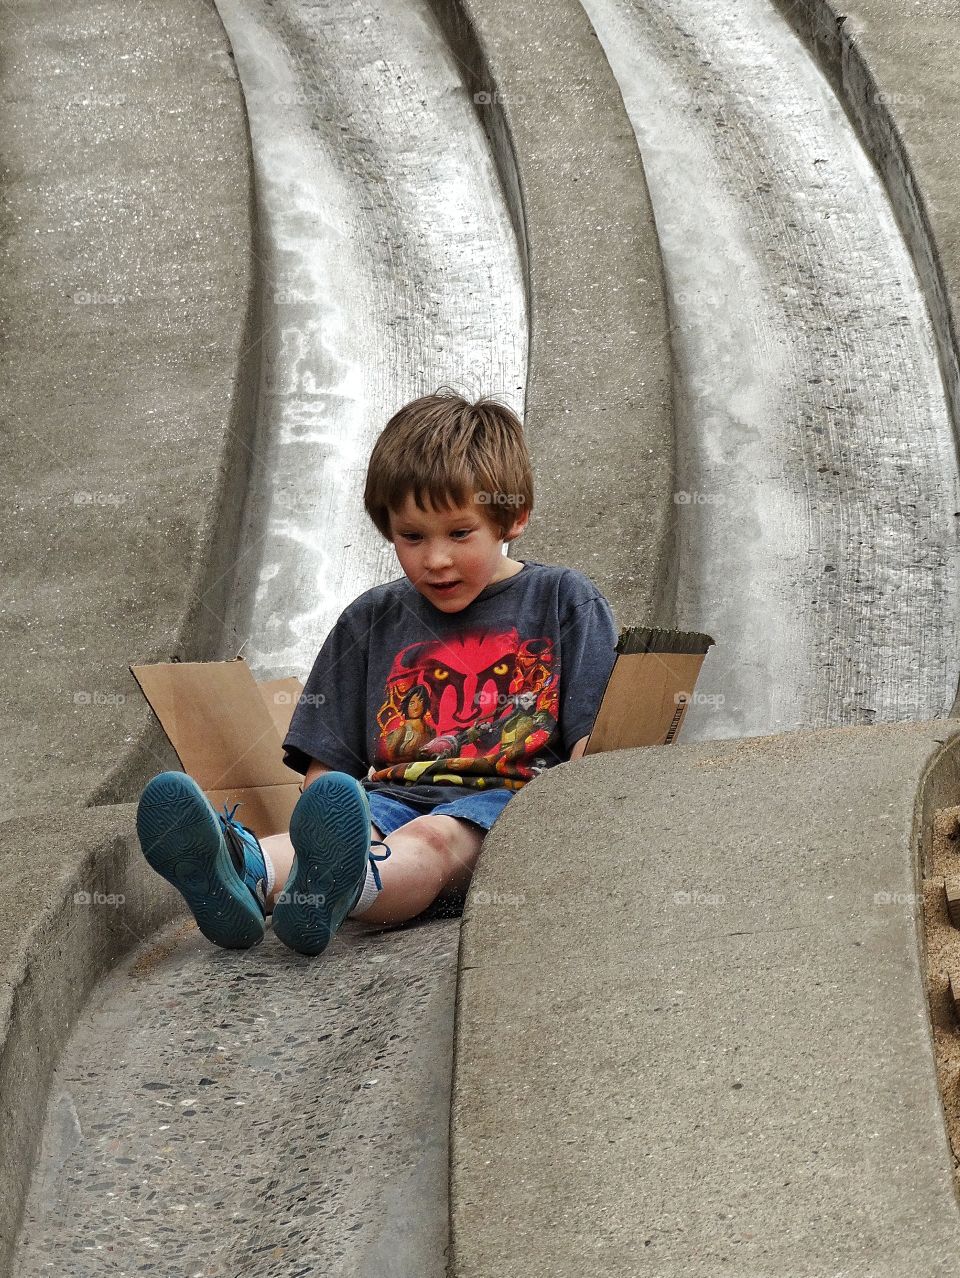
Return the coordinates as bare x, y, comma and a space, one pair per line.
518, 526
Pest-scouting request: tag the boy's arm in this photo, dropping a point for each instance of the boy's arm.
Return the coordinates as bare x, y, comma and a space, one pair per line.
578, 749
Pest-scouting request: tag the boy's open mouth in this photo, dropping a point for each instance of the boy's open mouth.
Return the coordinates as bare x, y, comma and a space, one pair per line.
442, 586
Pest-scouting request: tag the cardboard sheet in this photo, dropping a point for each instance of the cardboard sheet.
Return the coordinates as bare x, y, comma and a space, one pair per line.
228, 730
651, 684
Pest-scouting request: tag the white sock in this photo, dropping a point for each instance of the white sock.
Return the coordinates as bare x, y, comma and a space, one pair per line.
271, 872
367, 896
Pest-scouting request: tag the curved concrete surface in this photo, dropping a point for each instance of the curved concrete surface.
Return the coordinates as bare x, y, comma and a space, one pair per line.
391, 269
127, 295
718, 1052
253, 1114
894, 68
128, 301
705, 1049
817, 487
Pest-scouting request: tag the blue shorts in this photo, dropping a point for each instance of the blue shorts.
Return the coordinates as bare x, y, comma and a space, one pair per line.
481, 808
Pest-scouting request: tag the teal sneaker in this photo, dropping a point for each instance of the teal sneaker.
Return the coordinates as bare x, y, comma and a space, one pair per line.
214, 862
330, 833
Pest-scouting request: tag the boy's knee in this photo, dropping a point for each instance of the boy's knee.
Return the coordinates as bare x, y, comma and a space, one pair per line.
443, 835
426, 832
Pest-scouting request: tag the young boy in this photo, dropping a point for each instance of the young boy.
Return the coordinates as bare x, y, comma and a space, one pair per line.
433, 700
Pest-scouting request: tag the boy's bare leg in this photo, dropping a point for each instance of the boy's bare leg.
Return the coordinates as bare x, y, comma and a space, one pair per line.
428, 856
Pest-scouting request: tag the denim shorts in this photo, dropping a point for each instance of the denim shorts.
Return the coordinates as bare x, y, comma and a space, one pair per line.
481, 808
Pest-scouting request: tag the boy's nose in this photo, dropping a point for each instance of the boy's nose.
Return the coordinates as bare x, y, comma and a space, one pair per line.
436, 558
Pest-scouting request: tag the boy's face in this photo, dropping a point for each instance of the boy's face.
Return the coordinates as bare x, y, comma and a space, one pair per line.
457, 545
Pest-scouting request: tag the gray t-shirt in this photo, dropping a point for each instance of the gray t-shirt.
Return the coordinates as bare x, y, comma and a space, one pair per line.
413, 701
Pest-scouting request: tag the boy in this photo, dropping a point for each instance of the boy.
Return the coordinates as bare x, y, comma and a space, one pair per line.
434, 698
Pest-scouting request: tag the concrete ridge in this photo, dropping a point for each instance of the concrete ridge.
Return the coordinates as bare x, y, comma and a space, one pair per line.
675, 1054
81, 912
600, 371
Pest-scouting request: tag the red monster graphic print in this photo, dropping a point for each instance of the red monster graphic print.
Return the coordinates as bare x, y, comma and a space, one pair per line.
471, 710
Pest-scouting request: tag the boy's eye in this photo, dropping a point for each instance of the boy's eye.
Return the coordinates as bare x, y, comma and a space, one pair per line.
460, 533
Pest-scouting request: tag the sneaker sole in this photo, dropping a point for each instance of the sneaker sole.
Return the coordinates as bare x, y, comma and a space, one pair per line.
180, 836
330, 833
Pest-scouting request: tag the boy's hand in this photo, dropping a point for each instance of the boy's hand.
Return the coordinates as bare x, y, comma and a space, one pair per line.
578, 749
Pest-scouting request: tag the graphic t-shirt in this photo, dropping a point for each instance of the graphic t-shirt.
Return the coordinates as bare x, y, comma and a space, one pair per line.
412, 700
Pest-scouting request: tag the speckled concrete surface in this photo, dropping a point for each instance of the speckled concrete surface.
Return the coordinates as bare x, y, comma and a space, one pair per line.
252, 1113
704, 1048
127, 308
817, 483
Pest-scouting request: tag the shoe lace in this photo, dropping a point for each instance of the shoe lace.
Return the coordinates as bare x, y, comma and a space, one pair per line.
230, 829
374, 858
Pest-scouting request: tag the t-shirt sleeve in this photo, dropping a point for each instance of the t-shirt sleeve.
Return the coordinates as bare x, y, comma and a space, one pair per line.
588, 642
329, 721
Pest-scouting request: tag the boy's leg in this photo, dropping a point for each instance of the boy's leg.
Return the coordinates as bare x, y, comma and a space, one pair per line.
427, 856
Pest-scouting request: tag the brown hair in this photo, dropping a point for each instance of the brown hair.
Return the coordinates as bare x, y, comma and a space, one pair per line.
450, 452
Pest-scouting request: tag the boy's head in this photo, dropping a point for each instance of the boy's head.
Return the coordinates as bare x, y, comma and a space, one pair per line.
448, 483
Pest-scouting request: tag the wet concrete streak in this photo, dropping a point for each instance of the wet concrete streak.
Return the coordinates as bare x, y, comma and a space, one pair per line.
817, 492
390, 268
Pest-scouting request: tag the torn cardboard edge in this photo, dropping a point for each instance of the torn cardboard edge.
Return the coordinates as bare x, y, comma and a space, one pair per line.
228, 730
651, 685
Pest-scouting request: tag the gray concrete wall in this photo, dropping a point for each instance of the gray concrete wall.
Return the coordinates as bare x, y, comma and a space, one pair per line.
128, 302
